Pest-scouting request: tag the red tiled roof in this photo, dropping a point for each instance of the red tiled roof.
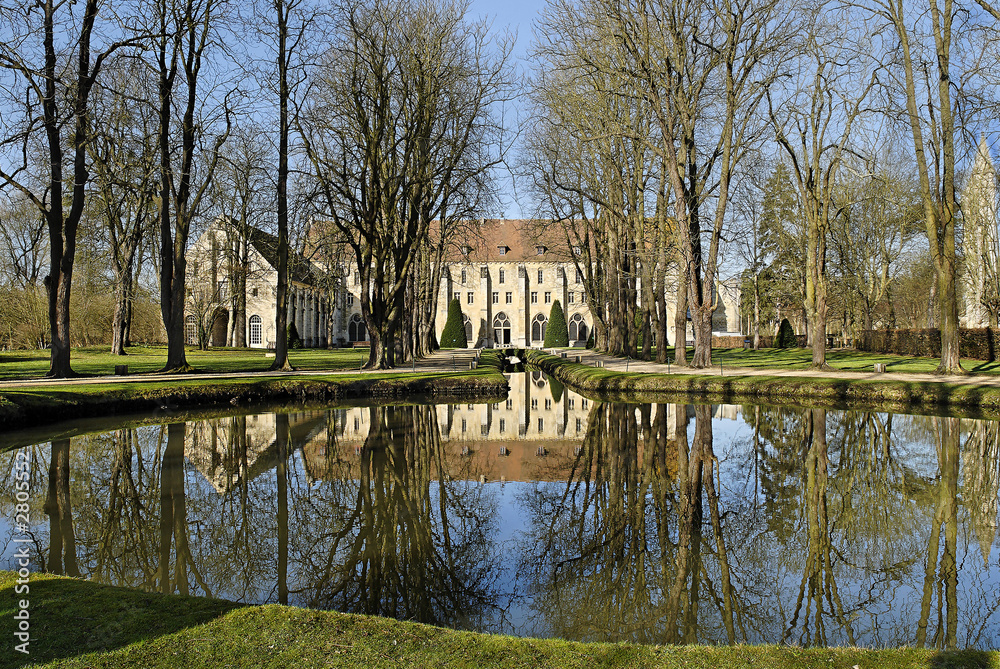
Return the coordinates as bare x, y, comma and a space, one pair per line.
521, 240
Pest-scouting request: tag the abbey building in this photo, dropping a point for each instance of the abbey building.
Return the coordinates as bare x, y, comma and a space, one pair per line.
505, 279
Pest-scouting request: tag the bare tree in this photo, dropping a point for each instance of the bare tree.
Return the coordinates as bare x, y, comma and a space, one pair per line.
242, 197
813, 126
597, 177
881, 215
753, 239
401, 118
23, 253
288, 26
921, 74
702, 68
50, 67
123, 155
188, 29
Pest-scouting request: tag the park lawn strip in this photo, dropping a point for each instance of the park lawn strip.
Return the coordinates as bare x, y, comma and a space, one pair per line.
98, 361
848, 360
76, 623
28, 406
835, 393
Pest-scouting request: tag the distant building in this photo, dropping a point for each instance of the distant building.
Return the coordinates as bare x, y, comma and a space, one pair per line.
506, 280
222, 265
979, 246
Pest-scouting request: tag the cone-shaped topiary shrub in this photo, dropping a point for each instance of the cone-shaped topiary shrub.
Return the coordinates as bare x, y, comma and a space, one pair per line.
294, 340
786, 336
454, 330
556, 388
556, 333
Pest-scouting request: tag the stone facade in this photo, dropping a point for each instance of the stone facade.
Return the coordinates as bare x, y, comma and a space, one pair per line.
220, 260
979, 244
506, 281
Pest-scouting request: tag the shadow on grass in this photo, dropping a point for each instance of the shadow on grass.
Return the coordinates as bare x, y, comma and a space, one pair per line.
964, 659
71, 617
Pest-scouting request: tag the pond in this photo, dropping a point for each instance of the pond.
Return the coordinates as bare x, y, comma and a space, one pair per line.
547, 515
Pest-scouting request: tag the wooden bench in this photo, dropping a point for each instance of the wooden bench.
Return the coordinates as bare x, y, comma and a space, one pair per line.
362, 344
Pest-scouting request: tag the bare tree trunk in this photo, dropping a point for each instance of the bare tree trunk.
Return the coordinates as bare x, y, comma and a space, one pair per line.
281, 295
680, 318
119, 323
756, 311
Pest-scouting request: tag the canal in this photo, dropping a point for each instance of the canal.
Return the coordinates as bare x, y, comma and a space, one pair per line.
546, 514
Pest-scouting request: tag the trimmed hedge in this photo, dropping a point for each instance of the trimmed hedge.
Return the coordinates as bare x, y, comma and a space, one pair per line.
975, 343
556, 334
766, 341
786, 336
294, 340
453, 335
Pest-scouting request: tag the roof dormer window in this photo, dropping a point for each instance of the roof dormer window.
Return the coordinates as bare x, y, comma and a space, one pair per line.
577, 250
540, 250
466, 249
502, 250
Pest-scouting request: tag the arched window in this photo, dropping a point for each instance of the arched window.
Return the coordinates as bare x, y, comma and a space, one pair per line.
501, 330
256, 330
190, 331
356, 329
577, 328
538, 325
468, 329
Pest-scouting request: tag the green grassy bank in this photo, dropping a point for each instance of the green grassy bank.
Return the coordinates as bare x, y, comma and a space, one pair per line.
98, 361
28, 406
733, 388
839, 359
75, 623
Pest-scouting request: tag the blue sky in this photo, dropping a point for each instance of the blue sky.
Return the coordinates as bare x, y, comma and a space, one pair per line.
518, 15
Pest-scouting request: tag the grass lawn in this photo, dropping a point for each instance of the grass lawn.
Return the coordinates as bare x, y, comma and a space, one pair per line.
97, 360
75, 623
845, 359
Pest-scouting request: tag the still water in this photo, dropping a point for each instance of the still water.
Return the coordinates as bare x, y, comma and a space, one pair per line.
547, 514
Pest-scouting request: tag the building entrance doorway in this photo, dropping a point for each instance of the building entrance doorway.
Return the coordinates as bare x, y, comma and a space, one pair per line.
501, 330
220, 326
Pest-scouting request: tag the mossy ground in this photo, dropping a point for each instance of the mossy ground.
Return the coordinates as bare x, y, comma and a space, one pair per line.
76, 623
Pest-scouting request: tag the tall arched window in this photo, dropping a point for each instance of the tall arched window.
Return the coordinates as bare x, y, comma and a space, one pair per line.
501, 330
190, 331
538, 325
256, 330
468, 329
356, 329
577, 328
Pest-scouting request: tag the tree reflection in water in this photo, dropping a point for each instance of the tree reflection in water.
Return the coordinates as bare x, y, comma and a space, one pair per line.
413, 543
622, 543
822, 543
942, 573
59, 509
663, 525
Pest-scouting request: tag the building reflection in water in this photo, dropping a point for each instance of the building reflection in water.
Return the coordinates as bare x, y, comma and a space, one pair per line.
551, 514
